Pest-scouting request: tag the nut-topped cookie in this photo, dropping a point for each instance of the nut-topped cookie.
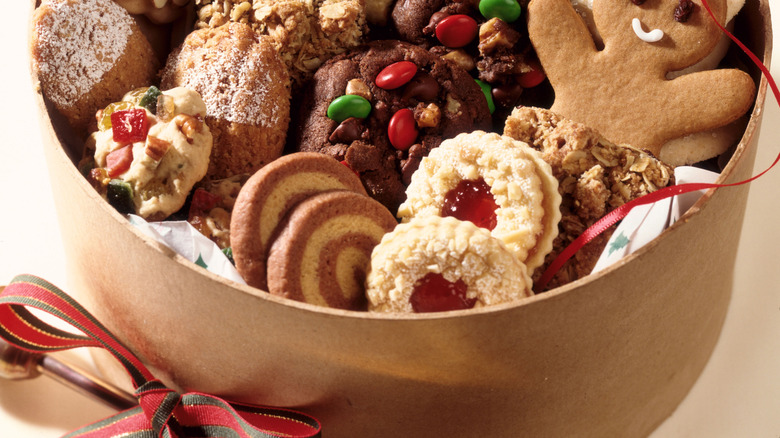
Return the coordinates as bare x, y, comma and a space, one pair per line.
596, 176
382, 108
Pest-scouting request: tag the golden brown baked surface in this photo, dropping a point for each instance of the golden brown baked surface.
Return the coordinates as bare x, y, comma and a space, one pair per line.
87, 54
595, 177
246, 89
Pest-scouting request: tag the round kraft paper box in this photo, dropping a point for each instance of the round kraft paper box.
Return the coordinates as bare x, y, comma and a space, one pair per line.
611, 354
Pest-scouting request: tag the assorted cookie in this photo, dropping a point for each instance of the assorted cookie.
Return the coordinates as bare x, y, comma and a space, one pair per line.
247, 92
596, 176
149, 151
296, 135
496, 183
87, 54
434, 264
268, 196
383, 107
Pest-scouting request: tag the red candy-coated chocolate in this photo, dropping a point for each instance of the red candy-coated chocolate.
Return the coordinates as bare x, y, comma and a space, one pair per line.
118, 161
129, 126
395, 75
457, 30
471, 200
532, 78
433, 293
402, 129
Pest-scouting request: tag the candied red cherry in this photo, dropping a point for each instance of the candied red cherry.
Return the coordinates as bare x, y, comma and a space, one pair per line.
118, 161
129, 126
434, 293
471, 200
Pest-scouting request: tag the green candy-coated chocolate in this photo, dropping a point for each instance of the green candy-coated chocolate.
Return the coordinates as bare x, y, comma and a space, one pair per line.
507, 10
487, 91
349, 105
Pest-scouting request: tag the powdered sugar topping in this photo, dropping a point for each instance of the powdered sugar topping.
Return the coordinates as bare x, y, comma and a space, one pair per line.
79, 42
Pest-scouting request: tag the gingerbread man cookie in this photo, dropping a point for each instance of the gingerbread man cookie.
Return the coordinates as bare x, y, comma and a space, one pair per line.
623, 90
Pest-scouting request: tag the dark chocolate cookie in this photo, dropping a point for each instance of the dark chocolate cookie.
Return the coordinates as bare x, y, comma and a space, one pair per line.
382, 131
489, 39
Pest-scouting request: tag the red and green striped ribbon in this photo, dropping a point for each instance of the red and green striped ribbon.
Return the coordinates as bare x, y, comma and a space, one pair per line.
162, 412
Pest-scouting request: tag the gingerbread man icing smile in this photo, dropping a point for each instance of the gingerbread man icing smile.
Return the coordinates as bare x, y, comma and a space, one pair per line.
623, 90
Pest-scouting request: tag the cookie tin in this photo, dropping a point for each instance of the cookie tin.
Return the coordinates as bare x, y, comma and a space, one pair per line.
611, 354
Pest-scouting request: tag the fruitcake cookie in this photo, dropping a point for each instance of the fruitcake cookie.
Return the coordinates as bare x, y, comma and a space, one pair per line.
159, 11
211, 208
323, 252
87, 54
495, 182
487, 38
306, 33
150, 150
246, 88
623, 90
433, 264
267, 197
596, 176
382, 108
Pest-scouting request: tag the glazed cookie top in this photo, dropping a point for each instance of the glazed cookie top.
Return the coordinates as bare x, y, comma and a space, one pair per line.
382, 108
431, 254
494, 181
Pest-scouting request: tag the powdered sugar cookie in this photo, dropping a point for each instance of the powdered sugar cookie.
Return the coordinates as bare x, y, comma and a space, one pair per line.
435, 264
623, 90
246, 88
497, 183
87, 54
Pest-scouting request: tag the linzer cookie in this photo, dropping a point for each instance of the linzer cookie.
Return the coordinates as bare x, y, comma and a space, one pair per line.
87, 54
596, 176
324, 251
497, 183
382, 108
433, 264
267, 197
623, 90
246, 88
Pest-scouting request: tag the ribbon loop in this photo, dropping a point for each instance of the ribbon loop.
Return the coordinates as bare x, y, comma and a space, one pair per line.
162, 412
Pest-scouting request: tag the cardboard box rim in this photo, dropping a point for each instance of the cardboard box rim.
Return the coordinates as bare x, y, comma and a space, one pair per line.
346, 409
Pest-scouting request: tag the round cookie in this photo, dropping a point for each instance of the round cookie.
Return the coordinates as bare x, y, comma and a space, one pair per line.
246, 88
267, 197
485, 172
443, 99
436, 264
323, 253
87, 54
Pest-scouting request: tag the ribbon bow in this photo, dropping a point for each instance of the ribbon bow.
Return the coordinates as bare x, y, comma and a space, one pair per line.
162, 412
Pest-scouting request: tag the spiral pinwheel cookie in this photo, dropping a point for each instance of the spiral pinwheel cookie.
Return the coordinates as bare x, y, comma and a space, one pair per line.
267, 197
495, 182
324, 251
435, 264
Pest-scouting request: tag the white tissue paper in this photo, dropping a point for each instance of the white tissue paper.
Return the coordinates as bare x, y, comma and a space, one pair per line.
645, 222
183, 238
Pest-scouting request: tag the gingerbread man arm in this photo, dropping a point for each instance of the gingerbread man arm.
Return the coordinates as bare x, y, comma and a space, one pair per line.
559, 36
712, 98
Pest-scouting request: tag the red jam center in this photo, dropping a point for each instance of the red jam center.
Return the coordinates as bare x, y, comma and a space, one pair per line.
433, 293
471, 200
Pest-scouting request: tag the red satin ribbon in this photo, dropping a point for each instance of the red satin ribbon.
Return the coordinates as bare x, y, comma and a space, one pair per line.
162, 412
619, 213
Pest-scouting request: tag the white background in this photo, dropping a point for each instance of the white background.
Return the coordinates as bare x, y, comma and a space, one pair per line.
738, 394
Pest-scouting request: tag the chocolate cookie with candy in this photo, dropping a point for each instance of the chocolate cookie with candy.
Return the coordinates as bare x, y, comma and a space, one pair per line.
383, 107
488, 38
